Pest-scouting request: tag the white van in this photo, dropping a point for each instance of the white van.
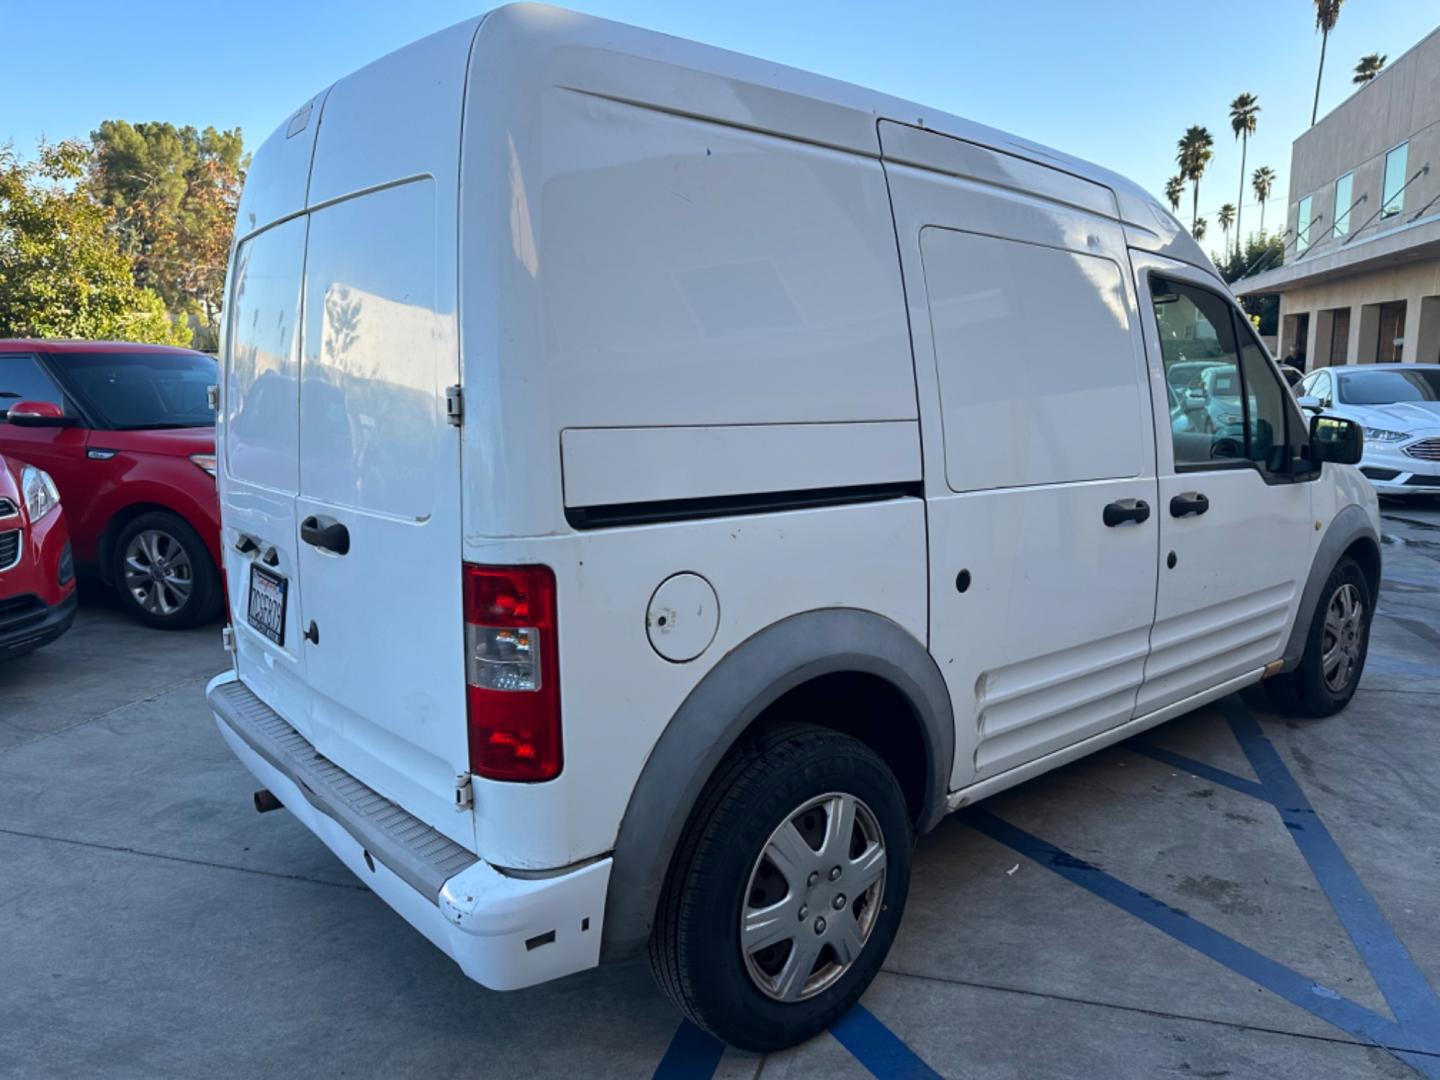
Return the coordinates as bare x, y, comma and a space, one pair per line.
658, 484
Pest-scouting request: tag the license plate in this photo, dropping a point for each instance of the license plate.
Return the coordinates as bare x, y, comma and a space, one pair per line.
266, 612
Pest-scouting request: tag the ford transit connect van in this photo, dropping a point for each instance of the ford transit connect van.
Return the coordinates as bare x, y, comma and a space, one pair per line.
658, 484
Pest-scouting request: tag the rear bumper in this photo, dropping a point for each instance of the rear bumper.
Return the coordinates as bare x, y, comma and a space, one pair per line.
28, 626
504, 931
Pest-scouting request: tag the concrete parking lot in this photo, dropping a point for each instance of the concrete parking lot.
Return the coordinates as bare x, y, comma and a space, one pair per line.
1233, 894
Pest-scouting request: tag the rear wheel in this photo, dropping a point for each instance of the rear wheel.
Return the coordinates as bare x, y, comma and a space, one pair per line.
163, 573
786, 889
1335, 647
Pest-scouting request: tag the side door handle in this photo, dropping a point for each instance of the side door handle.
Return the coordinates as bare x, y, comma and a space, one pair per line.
1189, 504
325, 534
1123, 510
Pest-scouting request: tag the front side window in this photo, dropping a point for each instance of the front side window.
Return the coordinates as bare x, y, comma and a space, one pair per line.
1344, 188
1392, 201
1302, 225
142, 390
1321, 388
1232, 403
23, 379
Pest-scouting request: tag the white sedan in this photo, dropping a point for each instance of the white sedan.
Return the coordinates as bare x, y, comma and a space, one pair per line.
1399, 406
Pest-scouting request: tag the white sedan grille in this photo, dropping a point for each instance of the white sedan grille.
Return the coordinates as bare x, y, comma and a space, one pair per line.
1425, 450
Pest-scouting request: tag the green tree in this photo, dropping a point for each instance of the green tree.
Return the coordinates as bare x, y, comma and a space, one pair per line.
1244, 111
1261, 252
1327, 14
1226, 218
1174, 192
174, 192
62, 272
1368, 67
1262, 182
1193, 154
1198, 228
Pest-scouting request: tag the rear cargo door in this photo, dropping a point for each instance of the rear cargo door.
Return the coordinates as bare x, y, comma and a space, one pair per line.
259, 468
378, 514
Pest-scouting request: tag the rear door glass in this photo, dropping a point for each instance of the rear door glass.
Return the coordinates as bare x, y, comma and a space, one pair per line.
262, 384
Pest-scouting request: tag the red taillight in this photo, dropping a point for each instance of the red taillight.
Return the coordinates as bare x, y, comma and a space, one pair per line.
512, 672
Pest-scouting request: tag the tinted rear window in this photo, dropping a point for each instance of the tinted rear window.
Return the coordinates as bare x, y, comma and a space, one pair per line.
143, 390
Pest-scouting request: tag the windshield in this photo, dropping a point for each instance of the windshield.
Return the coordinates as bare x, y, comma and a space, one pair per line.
1387, 387
129, 391
1225, 383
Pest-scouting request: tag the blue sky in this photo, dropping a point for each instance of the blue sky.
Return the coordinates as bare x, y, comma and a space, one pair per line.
1115, 82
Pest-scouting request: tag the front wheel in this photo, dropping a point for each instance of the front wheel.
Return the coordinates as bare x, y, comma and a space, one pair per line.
786, 888
164, 573
1335, 647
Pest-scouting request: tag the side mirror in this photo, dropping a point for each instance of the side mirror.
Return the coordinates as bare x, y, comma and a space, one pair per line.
1333, 438
37, 414
1311, 403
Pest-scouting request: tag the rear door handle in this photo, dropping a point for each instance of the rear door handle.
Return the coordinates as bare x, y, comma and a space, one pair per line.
1189, 504
325, 534
1123, 510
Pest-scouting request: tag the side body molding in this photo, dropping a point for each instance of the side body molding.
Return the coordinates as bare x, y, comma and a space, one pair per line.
723, 704
1349, 525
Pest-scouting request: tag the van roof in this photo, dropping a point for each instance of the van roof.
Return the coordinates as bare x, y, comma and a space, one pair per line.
628, 64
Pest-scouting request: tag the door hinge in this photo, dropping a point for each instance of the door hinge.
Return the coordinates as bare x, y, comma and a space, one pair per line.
464, 792
212, 398
227, 638
454, 406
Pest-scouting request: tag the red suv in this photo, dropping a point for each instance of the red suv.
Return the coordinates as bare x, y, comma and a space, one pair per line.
37, 576
128, 433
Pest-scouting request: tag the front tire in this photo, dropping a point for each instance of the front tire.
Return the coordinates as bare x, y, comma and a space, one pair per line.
786, 888
1335, 647
164, 574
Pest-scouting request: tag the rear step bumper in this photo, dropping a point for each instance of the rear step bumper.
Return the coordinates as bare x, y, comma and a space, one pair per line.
505, 932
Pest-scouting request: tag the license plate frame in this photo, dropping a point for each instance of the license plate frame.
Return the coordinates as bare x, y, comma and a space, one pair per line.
273, 593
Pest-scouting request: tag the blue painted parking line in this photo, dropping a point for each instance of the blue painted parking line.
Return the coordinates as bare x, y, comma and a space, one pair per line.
1414, 1035
693, 1055
878, 1048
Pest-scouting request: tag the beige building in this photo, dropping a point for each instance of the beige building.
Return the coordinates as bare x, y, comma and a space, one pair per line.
1360, 282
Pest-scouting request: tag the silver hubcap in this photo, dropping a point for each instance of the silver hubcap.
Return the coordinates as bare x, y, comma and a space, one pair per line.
813, 898
1343, 637
158, 573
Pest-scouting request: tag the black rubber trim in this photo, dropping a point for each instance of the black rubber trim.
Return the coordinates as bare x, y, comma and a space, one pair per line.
763, 502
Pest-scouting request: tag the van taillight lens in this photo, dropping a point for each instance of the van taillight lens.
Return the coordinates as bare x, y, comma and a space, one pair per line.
512, 672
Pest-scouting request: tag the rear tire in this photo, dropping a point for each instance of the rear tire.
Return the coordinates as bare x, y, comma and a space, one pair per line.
764, 942
1335, 647
163, 573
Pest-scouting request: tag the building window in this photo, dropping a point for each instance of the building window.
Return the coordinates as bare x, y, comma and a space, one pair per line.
1339, 335
1393, 198
1343, 198
1302, 225
1390, 349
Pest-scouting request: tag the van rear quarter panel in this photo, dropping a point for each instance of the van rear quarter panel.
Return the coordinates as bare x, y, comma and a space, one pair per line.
618, 694
628, 265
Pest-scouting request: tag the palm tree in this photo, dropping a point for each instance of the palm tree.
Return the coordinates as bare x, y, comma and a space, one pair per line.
1193, 154
1327, 14
1368, 68
1226, 218
1261, 183
1198, 229
1244, 111
1174, 192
